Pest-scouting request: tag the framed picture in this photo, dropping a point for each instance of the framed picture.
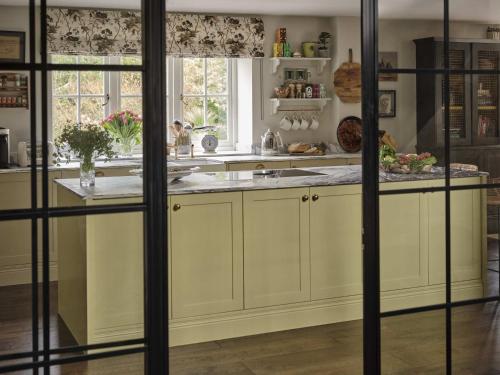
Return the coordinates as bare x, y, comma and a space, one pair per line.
388, 60
12, 46
387, 103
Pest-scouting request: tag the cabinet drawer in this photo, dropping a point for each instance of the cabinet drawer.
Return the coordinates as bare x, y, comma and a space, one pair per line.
258, 165
354, 161
317, 163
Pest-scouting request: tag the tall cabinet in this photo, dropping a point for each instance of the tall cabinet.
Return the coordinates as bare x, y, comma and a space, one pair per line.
474, 100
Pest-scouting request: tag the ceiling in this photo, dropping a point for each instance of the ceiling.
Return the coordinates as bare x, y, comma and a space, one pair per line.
466, 10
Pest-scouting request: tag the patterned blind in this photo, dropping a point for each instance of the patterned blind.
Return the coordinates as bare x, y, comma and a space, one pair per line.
118, 32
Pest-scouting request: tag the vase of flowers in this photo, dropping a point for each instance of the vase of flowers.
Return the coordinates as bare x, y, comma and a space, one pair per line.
126, 129
86, 142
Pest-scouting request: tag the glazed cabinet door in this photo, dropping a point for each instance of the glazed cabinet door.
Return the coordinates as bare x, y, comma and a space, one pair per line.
276, 237
206, 253
403, 240
336, 249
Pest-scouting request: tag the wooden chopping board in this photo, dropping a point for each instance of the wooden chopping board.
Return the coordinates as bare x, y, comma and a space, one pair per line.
347, 81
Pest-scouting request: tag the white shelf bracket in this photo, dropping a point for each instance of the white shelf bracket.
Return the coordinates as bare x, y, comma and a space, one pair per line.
275, 63
321, 65
275, 104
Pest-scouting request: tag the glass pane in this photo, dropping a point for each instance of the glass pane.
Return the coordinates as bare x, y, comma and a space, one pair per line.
64, 83
217, 76
93, 60
193, 73
92, 83
193, 111
131, 60
133, 104
217, 115
63, 111
63, 59
131, 83
91, 110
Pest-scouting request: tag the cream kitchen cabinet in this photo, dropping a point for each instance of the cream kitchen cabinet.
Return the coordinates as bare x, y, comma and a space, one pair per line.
276, 241
231, 167
335, 232
206, 239
15, 247
467, 234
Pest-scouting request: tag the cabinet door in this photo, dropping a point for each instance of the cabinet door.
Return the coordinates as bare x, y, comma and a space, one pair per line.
403, 241
485, 94
336, 249
258, 165
318, 163
207, 253
276, 233
466, 239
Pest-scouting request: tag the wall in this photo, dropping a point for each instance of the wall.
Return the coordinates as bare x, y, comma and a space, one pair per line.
16, 119
394, 35
299, 29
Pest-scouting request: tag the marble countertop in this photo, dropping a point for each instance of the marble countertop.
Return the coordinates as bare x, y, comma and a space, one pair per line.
284, 157
75, 165
131, 186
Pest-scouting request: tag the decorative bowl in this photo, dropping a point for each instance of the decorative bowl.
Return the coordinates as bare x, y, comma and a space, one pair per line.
282, 92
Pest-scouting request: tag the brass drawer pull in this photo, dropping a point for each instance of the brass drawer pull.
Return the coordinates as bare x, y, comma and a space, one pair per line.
177, 207
315, 197
260, 166
99, 174
305, 198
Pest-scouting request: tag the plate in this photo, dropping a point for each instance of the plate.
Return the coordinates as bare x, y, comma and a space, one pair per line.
349, 134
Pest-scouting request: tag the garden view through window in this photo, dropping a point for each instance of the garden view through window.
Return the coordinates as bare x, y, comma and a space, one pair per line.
201, 93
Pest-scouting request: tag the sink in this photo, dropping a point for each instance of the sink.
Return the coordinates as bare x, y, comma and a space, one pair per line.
277, 173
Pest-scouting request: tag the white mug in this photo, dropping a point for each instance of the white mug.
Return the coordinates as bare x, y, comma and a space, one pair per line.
285, 123
296, 124
304, 124
314, 124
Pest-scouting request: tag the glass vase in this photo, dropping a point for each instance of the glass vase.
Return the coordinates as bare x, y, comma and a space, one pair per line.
126, 146
87, 172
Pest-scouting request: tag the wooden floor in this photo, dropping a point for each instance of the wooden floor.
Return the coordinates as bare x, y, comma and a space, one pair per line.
411, 344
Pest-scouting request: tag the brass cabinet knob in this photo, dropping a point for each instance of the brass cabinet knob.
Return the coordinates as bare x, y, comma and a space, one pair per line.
260, 166
315, 197
293, 166
177, 207
305, 198
99, 174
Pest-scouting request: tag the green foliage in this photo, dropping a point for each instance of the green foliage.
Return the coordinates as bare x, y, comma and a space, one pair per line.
85, 141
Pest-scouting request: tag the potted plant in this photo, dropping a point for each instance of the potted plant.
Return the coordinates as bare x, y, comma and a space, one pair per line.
86, 142
126, 128
324, 42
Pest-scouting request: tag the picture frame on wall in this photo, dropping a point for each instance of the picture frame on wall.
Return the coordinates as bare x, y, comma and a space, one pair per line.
387, 103
388, 60
12, 46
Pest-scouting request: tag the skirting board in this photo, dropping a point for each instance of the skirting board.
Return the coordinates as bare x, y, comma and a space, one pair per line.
257, 321
22, 274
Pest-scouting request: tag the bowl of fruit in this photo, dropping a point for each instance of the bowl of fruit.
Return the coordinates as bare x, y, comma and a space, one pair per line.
390, 161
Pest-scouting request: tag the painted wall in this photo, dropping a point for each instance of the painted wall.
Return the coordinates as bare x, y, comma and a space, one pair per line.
16, 119
394, 35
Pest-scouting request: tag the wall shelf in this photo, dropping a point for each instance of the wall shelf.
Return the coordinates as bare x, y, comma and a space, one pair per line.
309, 104
320, 62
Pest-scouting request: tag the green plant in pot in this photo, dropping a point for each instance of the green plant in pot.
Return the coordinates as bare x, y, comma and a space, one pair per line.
126, 129
85, 142
324, 42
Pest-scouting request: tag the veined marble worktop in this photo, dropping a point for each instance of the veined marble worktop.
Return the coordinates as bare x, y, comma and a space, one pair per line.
131, 186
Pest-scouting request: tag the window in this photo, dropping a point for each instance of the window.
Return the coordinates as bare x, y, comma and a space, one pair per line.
199, 91
206, 95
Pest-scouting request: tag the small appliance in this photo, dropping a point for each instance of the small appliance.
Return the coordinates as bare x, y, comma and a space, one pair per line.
269, 145
4, 148
24, 154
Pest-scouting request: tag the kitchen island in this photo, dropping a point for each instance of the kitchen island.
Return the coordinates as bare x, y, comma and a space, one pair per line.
257, 253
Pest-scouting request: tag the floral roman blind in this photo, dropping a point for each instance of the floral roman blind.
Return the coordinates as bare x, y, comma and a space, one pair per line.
118, 32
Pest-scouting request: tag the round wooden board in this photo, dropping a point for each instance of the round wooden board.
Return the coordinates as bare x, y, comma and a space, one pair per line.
349, 134
347, 81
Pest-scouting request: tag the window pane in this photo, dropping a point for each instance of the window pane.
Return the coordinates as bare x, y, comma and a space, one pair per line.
92, 83
91, 110
217, 76
131, 60
63, 111
133, 104
63, 59
94, 60
193, 111
64, 83
193, 72
217, 115
131, 83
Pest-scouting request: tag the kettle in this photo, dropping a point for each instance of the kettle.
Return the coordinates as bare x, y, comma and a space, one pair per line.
269, 146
